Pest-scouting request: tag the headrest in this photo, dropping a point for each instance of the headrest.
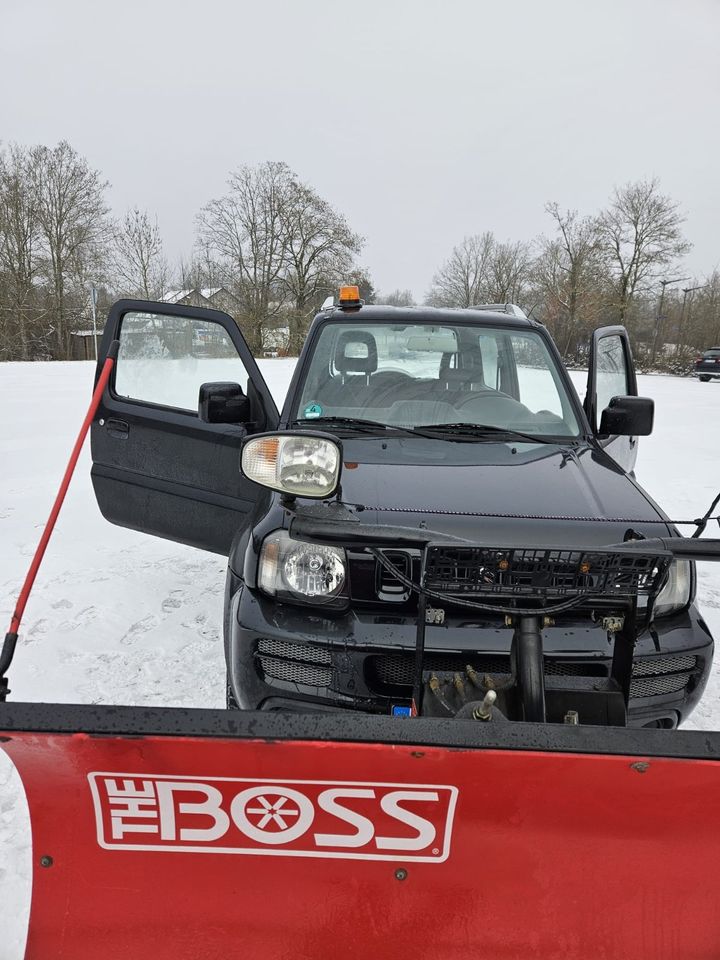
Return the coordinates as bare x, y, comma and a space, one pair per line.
356, 352
470, 370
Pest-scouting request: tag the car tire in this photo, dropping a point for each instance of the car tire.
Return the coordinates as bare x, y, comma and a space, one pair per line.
703, 379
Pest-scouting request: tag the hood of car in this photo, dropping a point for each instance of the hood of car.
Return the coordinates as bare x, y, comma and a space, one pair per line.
540, 488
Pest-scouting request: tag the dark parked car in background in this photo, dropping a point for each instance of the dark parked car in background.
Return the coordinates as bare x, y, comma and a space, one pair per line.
707, 366
463, 422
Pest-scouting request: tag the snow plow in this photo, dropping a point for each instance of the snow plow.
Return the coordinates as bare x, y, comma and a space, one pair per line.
186, 833
507, 813
506, 808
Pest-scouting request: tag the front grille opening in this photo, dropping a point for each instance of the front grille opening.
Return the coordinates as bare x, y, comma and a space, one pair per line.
560, 668
398, 670
285, 649
657, 686
658, 676
652, 666
294, 662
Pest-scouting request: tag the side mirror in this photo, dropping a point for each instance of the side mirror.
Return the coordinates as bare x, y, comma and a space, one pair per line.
628, 417
223, 403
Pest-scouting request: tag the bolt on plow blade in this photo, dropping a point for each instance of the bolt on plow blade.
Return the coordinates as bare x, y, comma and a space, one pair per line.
179, 834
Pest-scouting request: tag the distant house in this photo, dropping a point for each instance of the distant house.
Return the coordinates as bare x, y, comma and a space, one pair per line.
216, 298
82, 346
186, 298
275, 334
275, 340
220, 298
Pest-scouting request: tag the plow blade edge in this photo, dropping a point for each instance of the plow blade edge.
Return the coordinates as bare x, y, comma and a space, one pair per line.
179, 834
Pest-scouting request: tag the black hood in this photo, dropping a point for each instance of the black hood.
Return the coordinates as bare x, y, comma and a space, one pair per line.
544, 493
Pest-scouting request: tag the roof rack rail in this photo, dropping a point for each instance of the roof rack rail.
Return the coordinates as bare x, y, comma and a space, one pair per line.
512, 308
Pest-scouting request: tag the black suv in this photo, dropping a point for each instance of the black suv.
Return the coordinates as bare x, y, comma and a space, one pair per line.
707, 366
462, 422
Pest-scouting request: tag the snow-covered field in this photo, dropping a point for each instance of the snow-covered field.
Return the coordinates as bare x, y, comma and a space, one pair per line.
118, 617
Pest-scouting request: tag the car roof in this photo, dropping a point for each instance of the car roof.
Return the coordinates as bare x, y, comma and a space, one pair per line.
378, 312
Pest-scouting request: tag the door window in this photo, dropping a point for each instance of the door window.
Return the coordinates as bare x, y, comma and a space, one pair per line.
165, 359
612, 372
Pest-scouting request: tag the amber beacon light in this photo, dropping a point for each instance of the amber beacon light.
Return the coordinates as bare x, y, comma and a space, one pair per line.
350, 296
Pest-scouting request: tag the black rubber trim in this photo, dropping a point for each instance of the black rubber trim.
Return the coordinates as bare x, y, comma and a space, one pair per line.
352, 728
175, 489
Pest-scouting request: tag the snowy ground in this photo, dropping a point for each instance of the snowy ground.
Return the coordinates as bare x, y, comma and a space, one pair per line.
117, 617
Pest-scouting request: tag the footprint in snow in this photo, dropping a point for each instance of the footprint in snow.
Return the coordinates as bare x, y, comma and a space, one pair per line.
61, 604
173, 601
138, 629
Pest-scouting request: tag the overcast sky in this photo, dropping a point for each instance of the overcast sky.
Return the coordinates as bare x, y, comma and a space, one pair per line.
421, 121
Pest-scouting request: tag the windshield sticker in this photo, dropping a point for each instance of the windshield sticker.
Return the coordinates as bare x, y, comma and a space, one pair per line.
312, 410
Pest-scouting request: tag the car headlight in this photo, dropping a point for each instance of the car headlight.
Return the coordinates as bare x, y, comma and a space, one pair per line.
297, 570
296, 464
677, 590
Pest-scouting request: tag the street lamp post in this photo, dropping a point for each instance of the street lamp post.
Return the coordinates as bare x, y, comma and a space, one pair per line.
658, 325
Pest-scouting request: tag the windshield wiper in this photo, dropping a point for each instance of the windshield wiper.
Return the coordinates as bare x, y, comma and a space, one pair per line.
351, 423
434, 431
482, 431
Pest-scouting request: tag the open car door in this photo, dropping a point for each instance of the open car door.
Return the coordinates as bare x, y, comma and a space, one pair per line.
611, 381
184, 392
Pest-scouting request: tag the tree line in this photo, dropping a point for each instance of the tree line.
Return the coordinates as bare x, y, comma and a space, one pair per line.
277, 249
620, 265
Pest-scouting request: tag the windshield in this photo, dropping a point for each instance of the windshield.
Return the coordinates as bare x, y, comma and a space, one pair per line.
419, 375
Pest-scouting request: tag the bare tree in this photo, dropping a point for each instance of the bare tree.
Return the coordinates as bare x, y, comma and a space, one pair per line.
138, 257
462, 281
569, 273
707, 329
20, 257
641, 236
246, 230
72, 215
508, 273
360, 277
319, 249
398, 298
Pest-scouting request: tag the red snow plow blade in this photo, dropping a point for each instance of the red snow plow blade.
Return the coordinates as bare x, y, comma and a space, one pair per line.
205, 834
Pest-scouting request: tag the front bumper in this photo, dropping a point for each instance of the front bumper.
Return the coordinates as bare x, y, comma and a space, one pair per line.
283, 656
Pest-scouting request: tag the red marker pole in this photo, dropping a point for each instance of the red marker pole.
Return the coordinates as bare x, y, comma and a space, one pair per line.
11, 637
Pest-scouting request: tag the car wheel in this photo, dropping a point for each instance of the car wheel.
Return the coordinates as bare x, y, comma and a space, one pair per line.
703, 379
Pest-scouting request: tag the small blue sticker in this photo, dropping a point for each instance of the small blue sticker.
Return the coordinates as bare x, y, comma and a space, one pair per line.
312, 410
400, 711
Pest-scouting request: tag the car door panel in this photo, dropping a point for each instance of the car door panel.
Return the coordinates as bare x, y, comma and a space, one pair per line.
161, 469
611, 372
